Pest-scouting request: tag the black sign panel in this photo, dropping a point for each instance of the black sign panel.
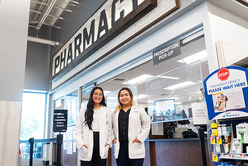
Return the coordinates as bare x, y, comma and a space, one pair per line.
60, 121
169, 51
93, 35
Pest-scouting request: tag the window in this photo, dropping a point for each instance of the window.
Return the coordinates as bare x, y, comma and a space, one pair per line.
33, 113
32, 122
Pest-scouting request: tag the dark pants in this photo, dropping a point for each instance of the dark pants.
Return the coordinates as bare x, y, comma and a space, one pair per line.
124, 160
96, 159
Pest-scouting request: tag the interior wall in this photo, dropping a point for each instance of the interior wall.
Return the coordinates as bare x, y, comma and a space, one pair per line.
37, 71
37, 67
14, 15
228, 28
13, 42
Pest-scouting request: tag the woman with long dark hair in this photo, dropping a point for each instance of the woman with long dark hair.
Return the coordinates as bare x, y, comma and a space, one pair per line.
131, 126
93, 130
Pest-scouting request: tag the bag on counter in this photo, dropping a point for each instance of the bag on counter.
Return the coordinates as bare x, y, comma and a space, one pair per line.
189, 134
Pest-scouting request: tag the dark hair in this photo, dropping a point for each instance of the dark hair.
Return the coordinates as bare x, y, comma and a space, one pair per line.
89, 112
129, 91
226, 99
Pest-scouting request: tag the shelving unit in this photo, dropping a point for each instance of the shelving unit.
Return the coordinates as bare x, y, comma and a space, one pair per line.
223, 137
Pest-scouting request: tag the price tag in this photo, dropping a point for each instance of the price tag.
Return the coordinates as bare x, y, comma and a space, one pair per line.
214, 132
214, 125
214, 157
219, 141
212, 140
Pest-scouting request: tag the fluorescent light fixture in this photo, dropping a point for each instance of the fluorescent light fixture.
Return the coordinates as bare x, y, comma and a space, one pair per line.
139, 79
112, 98
142, 96
168, 77
176, 98
193, 35
33, 91
42, 41
202, 55
106, 92
181, 85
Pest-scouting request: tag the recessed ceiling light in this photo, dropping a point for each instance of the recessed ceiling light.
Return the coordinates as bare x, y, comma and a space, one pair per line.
169, 77
202, 55
106, 92
142, 96
139, 79
181, 85
109, 98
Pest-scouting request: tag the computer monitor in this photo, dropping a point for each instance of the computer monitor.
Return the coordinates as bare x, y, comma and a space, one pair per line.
165, 107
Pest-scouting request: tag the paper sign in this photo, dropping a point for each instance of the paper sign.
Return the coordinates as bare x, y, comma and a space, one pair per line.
226, 93
199, 113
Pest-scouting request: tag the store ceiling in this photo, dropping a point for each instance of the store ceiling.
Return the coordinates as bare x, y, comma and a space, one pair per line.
49, 12
52, 12
233, 6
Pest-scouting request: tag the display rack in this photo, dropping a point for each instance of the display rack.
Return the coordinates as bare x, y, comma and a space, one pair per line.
226, 94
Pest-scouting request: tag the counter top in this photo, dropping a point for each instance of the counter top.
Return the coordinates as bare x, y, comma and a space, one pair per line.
174, 140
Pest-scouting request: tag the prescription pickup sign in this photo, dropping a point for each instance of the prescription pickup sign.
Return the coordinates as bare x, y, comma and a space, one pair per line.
226, 93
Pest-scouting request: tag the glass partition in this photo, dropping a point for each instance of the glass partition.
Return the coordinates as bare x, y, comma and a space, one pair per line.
68, 149
71, 104
37, 150
69, 155
40, 152
170, 95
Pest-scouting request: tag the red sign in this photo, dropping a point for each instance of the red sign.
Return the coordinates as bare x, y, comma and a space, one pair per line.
223, 74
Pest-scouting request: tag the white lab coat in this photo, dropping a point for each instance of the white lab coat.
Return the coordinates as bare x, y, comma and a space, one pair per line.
139, 126
84, 135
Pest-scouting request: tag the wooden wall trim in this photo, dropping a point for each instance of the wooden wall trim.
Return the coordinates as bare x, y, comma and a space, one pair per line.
152, 152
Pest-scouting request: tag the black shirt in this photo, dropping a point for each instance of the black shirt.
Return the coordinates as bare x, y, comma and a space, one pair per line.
123, 125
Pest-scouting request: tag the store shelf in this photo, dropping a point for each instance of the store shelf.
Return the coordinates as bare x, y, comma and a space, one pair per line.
233, 158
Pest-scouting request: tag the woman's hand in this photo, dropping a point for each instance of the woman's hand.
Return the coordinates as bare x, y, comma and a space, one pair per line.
107, 144
136, 140
85, 146
114, 141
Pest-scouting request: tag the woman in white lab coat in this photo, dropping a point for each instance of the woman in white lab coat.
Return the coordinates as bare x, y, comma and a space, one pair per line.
93, 130
131, 126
